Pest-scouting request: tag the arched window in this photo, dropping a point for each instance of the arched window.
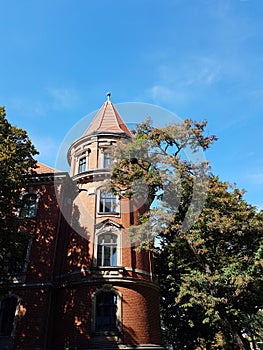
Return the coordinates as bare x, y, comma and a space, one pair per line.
106, 312
108, 203
107, 244
7, 315
107, 249
28, 206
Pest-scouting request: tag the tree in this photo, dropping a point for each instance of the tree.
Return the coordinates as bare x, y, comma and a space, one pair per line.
16, 164
216, 268
209, 251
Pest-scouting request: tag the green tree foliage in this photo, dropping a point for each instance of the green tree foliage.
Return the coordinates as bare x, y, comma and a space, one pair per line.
215, 271
16, 163
155, 165
209, 253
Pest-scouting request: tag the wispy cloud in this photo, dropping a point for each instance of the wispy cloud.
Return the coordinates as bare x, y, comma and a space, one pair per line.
161, 93
27, 106
63, 97
202, 72
177, 82
166, 94
256, 178
58, 98
196, 71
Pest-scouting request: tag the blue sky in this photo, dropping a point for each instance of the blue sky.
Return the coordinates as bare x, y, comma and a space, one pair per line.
201, 59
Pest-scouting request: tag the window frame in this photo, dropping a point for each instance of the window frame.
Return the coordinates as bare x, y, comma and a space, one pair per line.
28, 210
105, 228
20, 276
106, 159
118, 315
106, 312
82, 164
109, 200
107, 248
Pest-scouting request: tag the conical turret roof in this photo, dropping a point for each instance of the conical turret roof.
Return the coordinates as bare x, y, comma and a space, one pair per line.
107, 119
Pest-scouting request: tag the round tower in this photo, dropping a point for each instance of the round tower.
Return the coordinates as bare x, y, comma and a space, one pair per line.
124, 296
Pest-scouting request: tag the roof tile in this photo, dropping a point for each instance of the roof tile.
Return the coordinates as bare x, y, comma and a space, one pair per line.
44, 169
107, 119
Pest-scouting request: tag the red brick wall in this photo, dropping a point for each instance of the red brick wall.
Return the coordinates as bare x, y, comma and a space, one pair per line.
45, 231
33, 315
58, 251
72, 316
140, 312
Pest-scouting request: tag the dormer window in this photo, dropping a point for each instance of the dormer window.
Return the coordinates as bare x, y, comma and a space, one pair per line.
82, 164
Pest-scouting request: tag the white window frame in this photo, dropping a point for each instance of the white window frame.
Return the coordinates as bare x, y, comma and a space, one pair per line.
108, 227
115, 203
104, 247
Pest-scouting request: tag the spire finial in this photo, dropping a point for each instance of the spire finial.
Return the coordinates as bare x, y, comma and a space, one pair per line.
108, 96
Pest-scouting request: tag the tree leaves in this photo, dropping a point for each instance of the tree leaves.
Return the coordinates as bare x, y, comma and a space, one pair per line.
16, 163
209, 256
222, 274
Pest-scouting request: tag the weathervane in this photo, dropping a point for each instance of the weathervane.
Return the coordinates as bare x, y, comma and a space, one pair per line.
108, 95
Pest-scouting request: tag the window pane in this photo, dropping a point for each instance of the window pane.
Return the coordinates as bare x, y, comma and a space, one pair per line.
108, 205
107, 250
114, 256
29, 206
114, 239
106, 160
31, 212
107, 238
101, 205
107, 256
99, 258
108, 202
7, 315
82, 165
106, 311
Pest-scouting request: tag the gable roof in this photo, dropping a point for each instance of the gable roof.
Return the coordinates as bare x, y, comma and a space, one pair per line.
107, 119
44, 169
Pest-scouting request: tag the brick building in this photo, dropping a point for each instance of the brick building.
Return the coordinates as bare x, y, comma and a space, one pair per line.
84, 285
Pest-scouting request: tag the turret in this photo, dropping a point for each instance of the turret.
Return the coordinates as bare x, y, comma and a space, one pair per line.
125, 300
